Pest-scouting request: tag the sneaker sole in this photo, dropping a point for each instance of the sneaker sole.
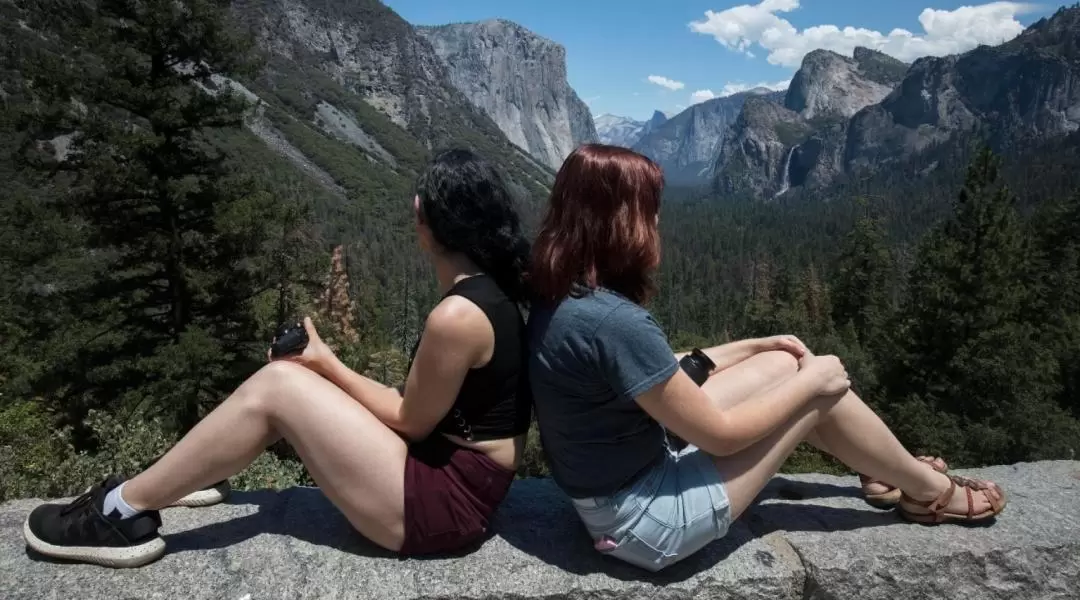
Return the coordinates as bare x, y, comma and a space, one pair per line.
207, 497
118, 557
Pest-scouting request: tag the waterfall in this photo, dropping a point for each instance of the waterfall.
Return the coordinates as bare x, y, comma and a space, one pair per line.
787, 173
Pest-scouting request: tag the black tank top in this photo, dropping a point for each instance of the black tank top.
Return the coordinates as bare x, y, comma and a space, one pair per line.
494, 401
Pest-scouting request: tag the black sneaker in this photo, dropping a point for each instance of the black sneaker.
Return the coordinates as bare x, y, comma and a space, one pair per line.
79, 531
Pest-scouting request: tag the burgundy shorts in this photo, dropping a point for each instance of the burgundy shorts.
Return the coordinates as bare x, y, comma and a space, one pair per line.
450, 494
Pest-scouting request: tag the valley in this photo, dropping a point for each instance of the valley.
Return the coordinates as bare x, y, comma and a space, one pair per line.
856, 209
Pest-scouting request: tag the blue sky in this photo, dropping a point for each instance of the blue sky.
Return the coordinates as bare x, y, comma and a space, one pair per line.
694, 49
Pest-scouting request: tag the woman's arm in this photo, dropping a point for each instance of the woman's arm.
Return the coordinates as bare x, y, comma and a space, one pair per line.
457, 337
731, 354
682, 407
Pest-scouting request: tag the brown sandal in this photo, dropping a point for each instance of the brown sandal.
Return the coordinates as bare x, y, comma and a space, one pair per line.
936, 507
891, 497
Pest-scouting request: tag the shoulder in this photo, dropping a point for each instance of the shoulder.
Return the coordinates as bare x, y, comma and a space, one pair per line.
457, 320
620, 313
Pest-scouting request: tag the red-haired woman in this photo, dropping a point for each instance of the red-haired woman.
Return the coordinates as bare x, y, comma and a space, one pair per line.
606, 384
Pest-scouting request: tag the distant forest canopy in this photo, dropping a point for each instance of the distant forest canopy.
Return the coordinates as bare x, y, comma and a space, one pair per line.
143, 268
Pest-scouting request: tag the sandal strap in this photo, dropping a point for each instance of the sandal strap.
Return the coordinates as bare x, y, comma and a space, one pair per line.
978, 485
937, 507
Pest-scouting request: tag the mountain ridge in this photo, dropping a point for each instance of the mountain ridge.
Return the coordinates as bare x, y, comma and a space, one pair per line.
518, 79
852, 114
686, 145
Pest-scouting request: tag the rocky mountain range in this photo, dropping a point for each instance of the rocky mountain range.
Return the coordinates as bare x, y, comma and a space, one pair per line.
771, 140
519, 80
360, 75
686, 145
624, 131
844, 115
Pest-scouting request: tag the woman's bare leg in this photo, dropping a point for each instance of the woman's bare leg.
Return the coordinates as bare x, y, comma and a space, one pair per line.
356, 460
756, 374
850, 430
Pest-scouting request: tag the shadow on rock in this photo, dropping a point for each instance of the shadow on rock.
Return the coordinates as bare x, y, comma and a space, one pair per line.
302, 513
539, 520
791, 489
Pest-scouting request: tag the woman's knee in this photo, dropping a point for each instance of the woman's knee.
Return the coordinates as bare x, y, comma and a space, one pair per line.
275, 382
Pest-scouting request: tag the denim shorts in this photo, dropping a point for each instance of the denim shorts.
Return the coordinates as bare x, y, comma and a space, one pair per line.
669, 512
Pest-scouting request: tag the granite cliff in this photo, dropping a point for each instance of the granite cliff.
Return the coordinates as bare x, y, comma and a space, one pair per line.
829, 85
686, 145
860, 114
1027, 88
519, 80
354, 77
762, 153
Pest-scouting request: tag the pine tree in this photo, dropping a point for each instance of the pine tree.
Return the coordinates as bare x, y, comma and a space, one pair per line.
863, 281
975, 380
1057, 229
295, 254
170, 314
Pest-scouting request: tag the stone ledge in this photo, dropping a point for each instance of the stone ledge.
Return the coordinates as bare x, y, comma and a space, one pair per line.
810, 536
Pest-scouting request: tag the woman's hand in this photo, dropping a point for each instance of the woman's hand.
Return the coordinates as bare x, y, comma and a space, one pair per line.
317, 356
829, 373
785, 343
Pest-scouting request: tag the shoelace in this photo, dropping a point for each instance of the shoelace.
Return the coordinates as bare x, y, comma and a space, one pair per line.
80, 503
84, 507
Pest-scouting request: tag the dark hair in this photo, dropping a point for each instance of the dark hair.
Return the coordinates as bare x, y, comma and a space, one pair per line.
600, 228
465, 202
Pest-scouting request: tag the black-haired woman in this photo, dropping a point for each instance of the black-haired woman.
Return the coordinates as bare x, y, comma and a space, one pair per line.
418, 470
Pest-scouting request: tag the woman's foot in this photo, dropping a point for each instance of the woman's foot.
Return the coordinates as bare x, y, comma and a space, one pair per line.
960, 499
882, 495
81, 531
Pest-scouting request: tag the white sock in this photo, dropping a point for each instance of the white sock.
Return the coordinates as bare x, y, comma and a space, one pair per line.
114, 500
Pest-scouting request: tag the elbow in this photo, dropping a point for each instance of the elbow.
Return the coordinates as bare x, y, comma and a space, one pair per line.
716, 439
719, 448
412, 433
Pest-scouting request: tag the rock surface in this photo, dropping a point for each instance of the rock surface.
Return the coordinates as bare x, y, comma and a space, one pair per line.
830, 85
618, 131
357, 73
519, 80
870, 112
757, 152
810, 536
687, 144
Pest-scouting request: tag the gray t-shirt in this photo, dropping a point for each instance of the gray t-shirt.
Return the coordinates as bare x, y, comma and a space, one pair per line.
588, 358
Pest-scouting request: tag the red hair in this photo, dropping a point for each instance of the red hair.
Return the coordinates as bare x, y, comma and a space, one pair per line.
600, 228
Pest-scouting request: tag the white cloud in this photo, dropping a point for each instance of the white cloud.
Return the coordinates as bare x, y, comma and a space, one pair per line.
665, 82
700, 96
944, 32
731, 88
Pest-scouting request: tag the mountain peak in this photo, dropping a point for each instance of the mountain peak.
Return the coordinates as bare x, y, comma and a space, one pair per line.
821, 56
1060, 28
518, 79
832, 85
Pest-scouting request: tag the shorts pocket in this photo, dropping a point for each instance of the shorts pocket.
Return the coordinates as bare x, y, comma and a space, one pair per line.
636, 551
654, 545
603, 515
